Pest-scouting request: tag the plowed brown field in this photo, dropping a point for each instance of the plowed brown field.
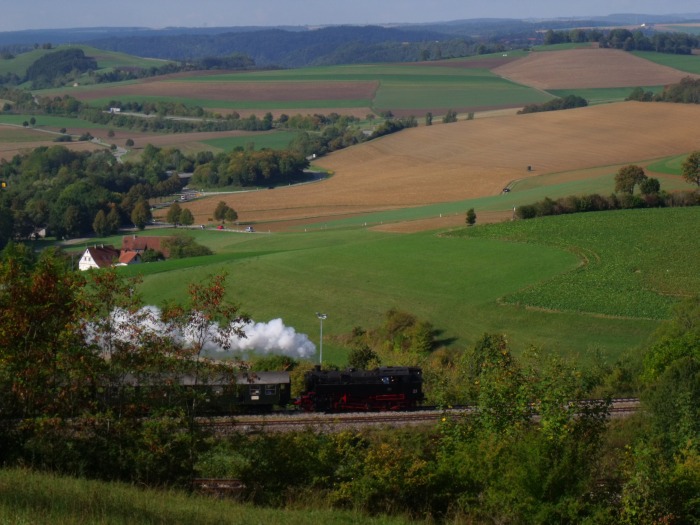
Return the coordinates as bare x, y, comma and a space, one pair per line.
587, 68
467, 159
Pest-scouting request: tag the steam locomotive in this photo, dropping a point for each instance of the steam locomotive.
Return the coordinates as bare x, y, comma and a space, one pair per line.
384, 388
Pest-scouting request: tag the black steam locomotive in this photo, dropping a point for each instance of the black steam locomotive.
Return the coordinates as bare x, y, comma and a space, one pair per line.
384, 388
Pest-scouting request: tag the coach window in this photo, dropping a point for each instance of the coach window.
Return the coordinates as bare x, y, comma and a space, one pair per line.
270, 390
254, 390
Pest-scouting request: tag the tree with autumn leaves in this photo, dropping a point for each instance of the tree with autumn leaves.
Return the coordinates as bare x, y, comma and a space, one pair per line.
72, 347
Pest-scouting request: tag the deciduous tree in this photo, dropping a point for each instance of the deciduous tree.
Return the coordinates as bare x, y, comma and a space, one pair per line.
628, 177
174, 214
691, 168
141, 215
186, 217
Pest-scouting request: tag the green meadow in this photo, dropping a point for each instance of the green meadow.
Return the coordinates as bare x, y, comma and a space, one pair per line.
570, 284
687, 63
51, 121
275, 140
670, 166
602, 95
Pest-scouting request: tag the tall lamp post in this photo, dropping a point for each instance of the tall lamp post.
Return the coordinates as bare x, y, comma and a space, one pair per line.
321, 317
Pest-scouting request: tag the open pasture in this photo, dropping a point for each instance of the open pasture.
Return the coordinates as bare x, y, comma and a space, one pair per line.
272, 140
451, 163
570, 284
687, 63
588, 68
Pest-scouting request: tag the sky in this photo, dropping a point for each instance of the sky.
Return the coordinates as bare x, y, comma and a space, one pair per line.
42, 14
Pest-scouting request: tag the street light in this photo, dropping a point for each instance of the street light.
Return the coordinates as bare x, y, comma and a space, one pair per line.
321, 317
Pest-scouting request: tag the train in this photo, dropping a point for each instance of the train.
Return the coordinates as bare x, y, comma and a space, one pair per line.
381, 389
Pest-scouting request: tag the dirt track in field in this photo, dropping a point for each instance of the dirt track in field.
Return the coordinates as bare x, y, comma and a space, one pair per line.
587, 68
468, 159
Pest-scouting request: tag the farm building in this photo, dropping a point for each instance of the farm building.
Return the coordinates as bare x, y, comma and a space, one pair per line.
98, 257
134, 243
130, 253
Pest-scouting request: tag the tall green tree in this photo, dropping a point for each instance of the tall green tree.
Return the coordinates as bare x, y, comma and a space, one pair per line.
220, 211
141, 215
186, 217
99, 225
174, 213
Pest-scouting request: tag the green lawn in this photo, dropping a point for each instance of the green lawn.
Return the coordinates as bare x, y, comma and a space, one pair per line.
525, 279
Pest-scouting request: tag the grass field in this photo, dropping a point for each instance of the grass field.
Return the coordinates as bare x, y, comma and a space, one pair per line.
603, 95
51, 121
569, 284
276, 140
687, 63
670, 166
30, 498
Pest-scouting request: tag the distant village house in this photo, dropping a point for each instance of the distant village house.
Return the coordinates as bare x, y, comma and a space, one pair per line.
131, 252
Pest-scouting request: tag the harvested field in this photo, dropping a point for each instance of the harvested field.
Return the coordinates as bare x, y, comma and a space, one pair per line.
248, 91
10, 149
469, 159
587, 68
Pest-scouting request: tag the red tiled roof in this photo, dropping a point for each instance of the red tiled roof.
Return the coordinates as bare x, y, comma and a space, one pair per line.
128, 257
139, 244
104, 256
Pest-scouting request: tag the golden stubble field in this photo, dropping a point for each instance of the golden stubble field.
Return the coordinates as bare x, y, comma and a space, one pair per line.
588, 68
468, 159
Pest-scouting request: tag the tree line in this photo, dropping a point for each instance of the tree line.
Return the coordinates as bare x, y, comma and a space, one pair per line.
627, 179
687, 91
568, 102
621, 38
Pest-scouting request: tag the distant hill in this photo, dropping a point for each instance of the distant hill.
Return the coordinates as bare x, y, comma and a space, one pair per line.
298, 46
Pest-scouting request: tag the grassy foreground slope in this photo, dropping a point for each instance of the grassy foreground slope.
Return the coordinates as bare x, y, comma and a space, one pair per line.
569, 284
28, 497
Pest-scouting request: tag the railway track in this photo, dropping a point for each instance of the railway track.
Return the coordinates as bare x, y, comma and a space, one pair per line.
333, 422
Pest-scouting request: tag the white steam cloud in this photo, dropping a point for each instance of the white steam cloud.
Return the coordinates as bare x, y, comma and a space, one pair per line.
272, 337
